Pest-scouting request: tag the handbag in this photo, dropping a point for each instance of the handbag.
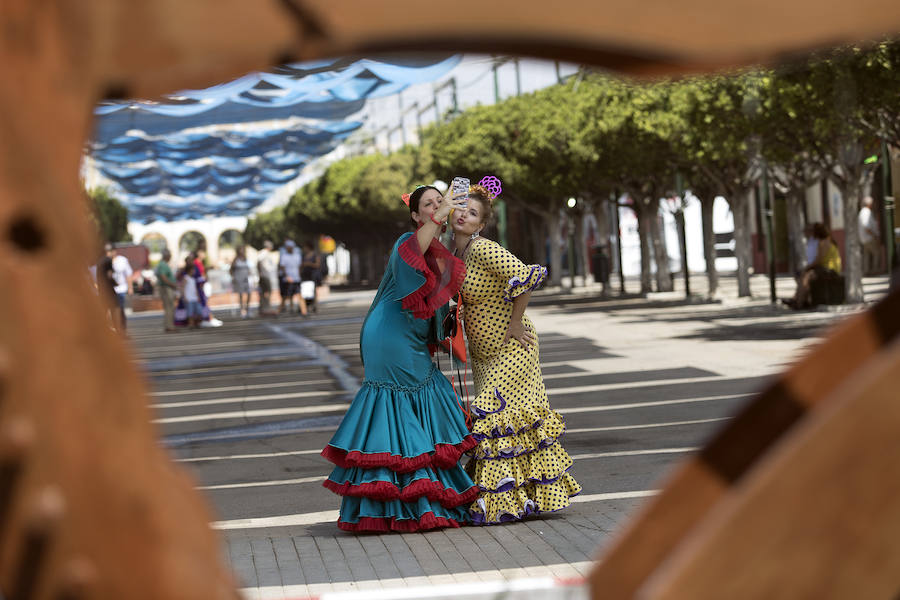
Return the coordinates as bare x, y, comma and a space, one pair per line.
454, 340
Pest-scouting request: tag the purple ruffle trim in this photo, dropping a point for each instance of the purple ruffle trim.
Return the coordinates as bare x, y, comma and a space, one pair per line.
515, 282
519, 451
507, 432
481, 413
511, 485
529, 509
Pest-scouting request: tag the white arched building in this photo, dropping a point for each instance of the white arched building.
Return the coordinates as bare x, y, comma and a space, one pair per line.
210, 229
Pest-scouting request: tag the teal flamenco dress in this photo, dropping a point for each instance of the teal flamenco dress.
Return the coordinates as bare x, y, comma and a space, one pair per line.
397, 449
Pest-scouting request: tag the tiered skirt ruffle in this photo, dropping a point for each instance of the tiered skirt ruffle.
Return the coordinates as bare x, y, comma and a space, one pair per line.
397, 457
519, 464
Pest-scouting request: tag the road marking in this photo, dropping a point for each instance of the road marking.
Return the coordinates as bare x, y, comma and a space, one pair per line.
327, 516
276, 482
615, 496
645, 426
246, 414
247, 386
195, 372
536, 582
245, 456
231, 486
583, 409
243, 399
600, 387
215, 345
633, 453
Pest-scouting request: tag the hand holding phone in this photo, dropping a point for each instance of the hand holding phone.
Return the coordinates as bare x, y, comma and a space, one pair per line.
460, 187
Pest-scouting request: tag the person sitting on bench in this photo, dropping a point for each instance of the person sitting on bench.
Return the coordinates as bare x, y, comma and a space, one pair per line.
827, 265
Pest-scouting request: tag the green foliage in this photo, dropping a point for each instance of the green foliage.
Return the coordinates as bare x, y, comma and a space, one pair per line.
596, 133
109, 216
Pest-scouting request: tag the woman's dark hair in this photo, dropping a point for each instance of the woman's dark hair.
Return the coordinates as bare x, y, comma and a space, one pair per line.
820, 231
481, 194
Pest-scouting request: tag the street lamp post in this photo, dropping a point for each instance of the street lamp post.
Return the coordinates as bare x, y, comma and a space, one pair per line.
770, 231
682, 233
618, 230
888, 208
572, 202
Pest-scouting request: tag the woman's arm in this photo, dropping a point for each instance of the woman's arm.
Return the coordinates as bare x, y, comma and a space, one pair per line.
516, 329
429, 228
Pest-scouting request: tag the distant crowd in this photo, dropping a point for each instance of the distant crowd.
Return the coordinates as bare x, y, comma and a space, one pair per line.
296, 273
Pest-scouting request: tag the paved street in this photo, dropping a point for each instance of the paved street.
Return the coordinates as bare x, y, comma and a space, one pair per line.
641, 382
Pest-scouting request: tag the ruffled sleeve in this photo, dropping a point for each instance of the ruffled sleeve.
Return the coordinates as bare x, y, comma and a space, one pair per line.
426, 282
519, 277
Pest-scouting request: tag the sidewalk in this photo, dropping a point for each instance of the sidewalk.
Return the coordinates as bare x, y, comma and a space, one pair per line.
642, 382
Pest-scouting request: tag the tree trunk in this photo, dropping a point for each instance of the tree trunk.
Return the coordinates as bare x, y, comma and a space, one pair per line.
852, 264
581, 252
538, 236
555, 248
660, 253
709, 243
743, 250
355, 266
795, 225
643, 218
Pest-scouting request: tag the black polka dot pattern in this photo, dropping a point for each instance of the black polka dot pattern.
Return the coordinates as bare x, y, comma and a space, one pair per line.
519, 464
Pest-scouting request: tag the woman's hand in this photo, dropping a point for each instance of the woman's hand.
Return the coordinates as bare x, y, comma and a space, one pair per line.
517, 331
448, 204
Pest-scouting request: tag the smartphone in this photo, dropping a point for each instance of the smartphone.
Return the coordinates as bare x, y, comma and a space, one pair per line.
460, 185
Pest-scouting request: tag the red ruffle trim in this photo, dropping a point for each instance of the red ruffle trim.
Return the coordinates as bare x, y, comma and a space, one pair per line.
384, 491
425, 300
445, 456
383, 524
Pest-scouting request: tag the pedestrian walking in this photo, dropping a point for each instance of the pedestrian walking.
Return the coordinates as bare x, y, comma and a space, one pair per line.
519, 465
167, 287
240, 280
869, 238
310, 276
106, 286
268, 277
289, 269
397, 449
191, 288
122, 275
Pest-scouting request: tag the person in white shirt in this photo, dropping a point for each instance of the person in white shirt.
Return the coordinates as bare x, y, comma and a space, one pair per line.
191, 296
289, 268
122, 274
868, 238
268, 277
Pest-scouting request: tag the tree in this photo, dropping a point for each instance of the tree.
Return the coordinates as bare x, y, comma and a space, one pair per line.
109, 215
719, 139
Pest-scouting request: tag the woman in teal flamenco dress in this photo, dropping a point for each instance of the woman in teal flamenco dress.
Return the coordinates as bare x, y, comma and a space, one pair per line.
397, 449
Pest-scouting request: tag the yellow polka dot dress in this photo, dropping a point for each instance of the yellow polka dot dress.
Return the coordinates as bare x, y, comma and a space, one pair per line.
519, 465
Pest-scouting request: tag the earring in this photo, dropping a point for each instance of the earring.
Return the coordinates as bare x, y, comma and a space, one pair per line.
475, 235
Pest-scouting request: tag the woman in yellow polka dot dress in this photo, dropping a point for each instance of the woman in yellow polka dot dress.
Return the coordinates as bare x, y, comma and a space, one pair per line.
519, 465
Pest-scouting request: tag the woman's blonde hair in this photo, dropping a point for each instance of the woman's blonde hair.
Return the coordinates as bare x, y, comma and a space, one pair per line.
481, 194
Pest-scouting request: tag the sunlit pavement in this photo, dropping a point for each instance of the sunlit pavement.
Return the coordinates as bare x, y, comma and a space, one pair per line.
642, 382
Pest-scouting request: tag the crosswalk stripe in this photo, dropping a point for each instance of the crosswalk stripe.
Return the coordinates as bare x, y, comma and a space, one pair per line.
247, 414
327, 516
619, 453
644, 426
246, 386
232, 486
583, 409
244, 399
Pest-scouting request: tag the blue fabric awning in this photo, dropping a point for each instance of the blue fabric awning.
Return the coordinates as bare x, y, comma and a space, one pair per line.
163, 168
